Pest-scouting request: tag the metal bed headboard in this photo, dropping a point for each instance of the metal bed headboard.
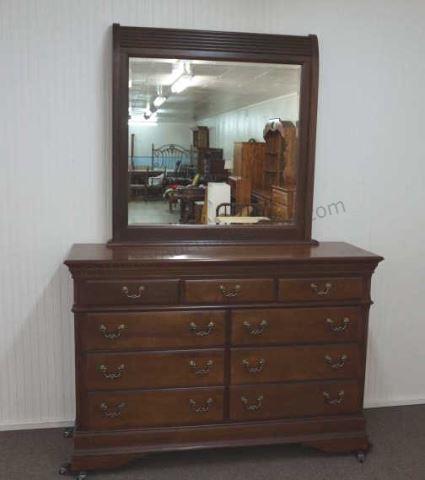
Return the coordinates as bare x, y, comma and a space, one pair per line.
167, 156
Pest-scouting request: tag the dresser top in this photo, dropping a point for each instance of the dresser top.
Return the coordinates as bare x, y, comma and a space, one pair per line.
326, 251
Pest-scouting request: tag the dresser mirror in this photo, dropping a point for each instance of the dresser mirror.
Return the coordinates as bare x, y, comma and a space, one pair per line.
212, 142
213, 136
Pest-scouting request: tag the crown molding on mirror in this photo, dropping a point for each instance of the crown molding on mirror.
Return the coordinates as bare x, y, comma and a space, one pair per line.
218, 46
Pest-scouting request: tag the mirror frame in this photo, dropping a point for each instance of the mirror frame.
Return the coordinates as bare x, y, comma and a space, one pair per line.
213, 45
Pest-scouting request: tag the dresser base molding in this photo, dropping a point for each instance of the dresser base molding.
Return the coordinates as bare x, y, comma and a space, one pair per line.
98, 451
340, 445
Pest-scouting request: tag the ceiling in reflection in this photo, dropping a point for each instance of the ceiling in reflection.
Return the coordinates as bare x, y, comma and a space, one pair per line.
168, 90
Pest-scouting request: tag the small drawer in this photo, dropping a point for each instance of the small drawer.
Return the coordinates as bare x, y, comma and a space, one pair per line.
280, 197
151, 408
296, 325
120, 371
128, 292
151, 330
229, 290
284, 364
280, 211
262, 402
307, 289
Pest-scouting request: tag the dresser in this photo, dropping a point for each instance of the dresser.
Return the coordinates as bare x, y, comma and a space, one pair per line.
181, 348
282, 203
206, 336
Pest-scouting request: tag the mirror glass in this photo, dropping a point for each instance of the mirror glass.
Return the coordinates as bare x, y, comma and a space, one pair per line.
212, 142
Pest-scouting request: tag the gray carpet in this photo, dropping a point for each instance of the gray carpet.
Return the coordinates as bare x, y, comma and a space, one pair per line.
397, 434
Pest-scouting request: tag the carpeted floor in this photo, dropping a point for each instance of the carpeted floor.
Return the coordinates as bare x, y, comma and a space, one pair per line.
397, 434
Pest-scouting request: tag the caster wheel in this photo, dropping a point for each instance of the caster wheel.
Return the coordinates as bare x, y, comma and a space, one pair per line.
68, 432
81, 476
361, 456
64, 469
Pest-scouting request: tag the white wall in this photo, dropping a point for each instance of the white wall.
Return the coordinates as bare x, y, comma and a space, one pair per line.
244, 123
160, 134
55, 180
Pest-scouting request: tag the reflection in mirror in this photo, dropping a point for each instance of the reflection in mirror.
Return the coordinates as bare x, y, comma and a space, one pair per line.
212, 142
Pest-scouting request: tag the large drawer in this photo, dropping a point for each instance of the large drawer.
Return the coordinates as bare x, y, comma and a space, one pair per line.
112, 410
221, 291
280, 364
307, 289
128, 292
296, 325
261, 402
151, 330
120, 371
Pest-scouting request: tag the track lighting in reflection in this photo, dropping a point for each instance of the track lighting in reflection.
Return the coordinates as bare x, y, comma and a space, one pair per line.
182, 83
159, 101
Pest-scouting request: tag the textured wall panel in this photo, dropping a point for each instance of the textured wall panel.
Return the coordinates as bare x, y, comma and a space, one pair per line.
55, 163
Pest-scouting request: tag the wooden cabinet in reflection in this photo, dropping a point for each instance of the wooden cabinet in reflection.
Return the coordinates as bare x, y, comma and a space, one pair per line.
248, 165
248, 161
264, 173
280, 169
210, 162
201, 137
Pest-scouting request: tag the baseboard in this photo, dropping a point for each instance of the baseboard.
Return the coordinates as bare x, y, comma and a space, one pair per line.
403, 402
36, 426
68, 423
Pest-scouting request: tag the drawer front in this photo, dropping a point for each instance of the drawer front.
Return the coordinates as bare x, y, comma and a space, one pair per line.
296, 325
151, 330
280, 197
280, 211
107, 410
308, 289
229, 291
281, 364
128, 292
120, 371
261, 402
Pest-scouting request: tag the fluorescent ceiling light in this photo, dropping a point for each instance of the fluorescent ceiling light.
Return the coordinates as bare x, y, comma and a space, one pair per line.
159, 101
178, 70
182, 83
148, 111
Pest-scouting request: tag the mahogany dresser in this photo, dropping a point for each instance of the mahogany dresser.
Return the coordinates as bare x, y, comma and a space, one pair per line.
201, 347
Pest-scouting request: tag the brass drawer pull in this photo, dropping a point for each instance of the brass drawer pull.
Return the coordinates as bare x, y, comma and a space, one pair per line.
112, 335
201, 333
112, 413
256, 369
334, 401
336, 363
103, 369
201, 370
321, 291
201, 408
252, 330
338, 328
230, 292
253, 407
125, 290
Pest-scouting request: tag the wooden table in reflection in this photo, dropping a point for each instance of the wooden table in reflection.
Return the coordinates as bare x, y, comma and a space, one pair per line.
188, 196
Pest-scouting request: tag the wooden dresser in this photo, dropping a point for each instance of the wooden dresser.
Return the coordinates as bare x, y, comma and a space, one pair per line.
201, 347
